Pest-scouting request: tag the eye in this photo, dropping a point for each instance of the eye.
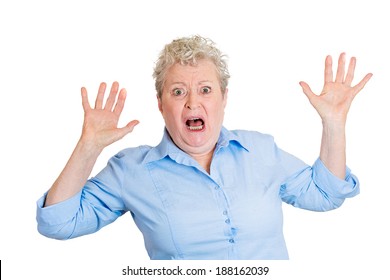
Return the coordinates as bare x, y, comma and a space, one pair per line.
206, 89
178, 92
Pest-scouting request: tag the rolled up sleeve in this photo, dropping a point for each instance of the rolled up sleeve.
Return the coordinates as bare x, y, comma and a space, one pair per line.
316, 188
52, 220
332, 185
98, 204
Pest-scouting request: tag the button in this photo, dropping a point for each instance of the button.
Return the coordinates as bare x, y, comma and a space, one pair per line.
227, 221
231, 240
216, 188
224, 212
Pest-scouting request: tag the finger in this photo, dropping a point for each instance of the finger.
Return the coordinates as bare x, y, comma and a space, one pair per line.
112, 97
120, 102
328, 75
84, 99
351, 71
362, 83
100, 96
340, 69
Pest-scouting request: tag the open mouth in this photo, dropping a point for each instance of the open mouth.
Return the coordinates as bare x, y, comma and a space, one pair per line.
195, 124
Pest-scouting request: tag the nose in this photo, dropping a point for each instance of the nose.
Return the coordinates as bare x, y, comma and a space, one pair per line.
192, 101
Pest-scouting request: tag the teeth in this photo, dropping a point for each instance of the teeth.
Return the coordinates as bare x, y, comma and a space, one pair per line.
199, 127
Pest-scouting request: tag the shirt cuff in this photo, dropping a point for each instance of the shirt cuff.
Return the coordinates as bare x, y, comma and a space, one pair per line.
333, 185
58, 213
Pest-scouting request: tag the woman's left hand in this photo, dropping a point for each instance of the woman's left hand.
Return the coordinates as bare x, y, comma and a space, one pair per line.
337, 95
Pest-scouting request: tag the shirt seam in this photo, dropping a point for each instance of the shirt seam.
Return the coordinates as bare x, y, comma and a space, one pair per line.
122, 166
180, 254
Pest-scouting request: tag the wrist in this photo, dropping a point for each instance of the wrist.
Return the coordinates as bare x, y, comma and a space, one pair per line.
334, 124
88, 147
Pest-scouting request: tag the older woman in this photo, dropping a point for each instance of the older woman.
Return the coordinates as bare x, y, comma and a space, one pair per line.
204, 192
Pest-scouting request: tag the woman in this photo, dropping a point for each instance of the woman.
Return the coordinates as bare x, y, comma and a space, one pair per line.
204, 192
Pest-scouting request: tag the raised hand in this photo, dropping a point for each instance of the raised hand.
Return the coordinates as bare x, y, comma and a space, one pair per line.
100, 127
99, 130
333, 103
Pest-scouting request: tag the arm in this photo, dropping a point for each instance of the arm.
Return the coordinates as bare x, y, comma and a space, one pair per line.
99, 130
333, 105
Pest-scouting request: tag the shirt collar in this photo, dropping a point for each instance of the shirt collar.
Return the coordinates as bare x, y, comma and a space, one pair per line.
167, 148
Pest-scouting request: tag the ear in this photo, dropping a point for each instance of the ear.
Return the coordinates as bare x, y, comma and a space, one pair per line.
159, 101
225, 97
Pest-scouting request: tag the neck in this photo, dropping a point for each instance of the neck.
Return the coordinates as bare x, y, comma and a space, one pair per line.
204, 160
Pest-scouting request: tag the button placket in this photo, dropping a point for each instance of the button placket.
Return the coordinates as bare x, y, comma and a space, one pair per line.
229, 229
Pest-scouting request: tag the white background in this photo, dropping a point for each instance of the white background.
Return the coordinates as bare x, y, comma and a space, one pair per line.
50, 49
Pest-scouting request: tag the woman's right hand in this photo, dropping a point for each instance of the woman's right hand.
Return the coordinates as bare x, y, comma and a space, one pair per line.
100, 127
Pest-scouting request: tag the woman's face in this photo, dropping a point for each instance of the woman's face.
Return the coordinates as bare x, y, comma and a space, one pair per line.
192, 106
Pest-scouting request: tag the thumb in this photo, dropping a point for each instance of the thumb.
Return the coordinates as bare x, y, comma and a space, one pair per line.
128, 128
307, 90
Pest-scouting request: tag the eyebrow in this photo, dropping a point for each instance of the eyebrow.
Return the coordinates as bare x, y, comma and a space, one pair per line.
205, 81
200, 82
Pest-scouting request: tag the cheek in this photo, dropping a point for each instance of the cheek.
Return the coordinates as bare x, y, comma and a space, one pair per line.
171, 113
218, 110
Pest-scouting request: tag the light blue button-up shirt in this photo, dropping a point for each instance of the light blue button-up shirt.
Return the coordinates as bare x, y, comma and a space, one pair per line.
235, 212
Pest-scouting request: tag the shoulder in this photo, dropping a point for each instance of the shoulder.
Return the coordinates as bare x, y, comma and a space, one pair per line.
253, 138
260, 145
134, 154
129, 158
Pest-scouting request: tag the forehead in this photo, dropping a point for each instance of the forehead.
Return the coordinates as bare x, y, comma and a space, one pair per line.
203, 70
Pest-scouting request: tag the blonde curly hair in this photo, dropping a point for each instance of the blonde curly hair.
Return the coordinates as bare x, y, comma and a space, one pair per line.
187, 51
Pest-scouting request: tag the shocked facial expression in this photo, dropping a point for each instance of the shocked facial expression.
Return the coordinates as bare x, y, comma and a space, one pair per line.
192, 105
